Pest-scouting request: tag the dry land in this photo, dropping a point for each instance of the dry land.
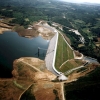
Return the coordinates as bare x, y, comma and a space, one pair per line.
26, 77
40, 28
37, 29
4, 27
31, 80
3, 30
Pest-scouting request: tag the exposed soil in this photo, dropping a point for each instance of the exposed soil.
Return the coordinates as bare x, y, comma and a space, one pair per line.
43, 85
32, 72
24, 76
8, 91
78, 55
26, 32
4, 27
86, 87
77, 74
45, 91
44, 30
37, 29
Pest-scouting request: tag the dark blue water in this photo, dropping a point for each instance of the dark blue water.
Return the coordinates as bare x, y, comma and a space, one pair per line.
12, 47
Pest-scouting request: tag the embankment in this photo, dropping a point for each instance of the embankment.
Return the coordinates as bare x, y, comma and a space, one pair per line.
51, 54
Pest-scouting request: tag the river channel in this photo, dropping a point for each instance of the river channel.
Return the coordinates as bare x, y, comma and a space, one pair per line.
12, 47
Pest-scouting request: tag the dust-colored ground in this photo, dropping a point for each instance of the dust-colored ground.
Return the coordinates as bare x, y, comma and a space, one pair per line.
2, 24
45, 33
44, 30
32, 72
4, 27
46, 91
37, 29
29, 33
77, 53
29, 72
77, 74
25, 75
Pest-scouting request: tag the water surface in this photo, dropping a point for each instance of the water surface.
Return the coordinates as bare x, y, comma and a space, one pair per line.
12, 47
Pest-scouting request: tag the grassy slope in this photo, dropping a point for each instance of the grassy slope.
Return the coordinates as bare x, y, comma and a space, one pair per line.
63, 52
70, 65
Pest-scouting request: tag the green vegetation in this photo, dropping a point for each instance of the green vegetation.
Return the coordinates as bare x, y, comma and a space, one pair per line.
20, 15
18, 85
70, 65
64, 52
85, 88
20, 66
73, 37
56, 93
28, 95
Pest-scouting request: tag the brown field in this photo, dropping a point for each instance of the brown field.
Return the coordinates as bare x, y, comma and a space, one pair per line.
35, 30
32, 72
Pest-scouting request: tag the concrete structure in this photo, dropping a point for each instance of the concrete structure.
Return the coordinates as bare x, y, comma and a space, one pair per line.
51, 56
62, 77
49, 59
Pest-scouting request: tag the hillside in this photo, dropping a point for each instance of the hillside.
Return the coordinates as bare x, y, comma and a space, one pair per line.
29, 3
81, 17
29, 72
30, 79
85, 88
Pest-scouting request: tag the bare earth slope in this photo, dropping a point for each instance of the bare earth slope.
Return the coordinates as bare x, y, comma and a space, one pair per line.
28, 72
37, 29
31, 80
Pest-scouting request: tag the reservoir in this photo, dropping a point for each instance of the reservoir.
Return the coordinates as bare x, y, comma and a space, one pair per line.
12, 47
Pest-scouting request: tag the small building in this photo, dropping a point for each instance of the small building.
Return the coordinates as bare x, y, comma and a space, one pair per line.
62, 77
29, 28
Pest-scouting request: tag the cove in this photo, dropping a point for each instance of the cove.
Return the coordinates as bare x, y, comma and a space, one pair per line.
12, 47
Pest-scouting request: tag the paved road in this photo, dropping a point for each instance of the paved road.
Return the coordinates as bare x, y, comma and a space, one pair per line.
62, 91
